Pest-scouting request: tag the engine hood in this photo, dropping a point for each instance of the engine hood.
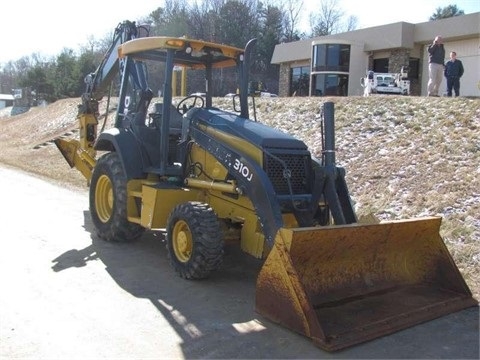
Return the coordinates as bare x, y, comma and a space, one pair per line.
254, 132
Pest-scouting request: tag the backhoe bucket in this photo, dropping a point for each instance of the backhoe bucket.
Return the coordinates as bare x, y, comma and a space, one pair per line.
76, 156
343, 285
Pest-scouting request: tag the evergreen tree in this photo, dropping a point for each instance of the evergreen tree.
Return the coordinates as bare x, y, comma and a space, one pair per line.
66, 75
446, 12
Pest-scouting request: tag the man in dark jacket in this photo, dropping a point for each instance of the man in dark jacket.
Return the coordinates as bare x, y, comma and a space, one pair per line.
453, 72
436, 58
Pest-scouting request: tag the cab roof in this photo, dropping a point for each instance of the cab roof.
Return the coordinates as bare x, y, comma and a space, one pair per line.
188, 52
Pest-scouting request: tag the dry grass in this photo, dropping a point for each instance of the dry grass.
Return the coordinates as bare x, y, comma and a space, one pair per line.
404, 156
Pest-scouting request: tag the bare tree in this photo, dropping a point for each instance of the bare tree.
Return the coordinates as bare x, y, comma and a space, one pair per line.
352, 23
203, 19
292, 9
328, 20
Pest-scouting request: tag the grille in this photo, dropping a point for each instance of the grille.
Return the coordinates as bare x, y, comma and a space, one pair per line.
298, 166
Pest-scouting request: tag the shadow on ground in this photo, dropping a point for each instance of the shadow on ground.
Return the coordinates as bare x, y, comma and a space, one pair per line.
216, 318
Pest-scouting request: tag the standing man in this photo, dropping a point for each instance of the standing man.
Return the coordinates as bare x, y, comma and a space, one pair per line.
436, 58
453, 73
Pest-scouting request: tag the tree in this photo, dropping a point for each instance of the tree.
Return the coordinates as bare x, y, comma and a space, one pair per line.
270, 34
238, 22
203, 19
292, 11
66, 75
232, 22
86, 63
7, 78
352, 23
446, 12
327, 20
170, 20
37, 79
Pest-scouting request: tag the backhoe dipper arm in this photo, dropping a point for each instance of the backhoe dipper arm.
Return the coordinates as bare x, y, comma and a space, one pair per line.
98, 81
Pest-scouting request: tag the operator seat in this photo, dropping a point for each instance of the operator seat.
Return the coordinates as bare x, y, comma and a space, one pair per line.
175, 118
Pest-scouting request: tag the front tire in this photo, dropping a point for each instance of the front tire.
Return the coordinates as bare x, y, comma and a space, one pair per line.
108, 201
194, 240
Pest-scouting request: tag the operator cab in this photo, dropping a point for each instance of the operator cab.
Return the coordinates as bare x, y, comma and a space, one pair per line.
158, 132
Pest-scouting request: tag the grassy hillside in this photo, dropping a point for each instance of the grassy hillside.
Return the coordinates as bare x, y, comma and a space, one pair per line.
404, 156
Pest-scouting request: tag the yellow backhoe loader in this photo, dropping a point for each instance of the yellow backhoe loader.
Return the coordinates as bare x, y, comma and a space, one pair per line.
201, 174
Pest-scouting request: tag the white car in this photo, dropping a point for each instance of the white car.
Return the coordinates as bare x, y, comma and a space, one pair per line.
267, 94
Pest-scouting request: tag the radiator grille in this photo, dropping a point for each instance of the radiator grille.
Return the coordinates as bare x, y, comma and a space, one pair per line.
297, 165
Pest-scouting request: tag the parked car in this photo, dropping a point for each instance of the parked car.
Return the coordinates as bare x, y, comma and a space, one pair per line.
262, 94
267, 94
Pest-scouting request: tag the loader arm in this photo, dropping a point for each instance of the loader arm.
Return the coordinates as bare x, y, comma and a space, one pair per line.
256, 186
335, 187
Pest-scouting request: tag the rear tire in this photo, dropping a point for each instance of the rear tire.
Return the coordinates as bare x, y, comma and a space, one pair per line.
194, 240
108, 201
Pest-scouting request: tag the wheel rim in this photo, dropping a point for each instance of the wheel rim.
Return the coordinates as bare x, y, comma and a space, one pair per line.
182, 241
104, 198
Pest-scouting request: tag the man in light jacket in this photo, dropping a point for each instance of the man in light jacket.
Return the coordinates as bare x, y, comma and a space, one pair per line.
436, 58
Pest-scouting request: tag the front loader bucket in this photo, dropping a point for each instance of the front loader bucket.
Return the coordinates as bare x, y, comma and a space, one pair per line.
343, 285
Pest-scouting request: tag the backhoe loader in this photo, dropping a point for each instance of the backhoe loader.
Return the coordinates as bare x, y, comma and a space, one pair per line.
202, 175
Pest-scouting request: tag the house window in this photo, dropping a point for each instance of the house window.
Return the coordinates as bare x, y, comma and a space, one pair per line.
331, 57
380, 65
299, 80
413, 67
330, 85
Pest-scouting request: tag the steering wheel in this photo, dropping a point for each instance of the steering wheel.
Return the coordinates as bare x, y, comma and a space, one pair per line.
183, 106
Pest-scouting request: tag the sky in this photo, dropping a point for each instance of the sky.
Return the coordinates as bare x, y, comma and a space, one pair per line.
381, 12
46, 27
